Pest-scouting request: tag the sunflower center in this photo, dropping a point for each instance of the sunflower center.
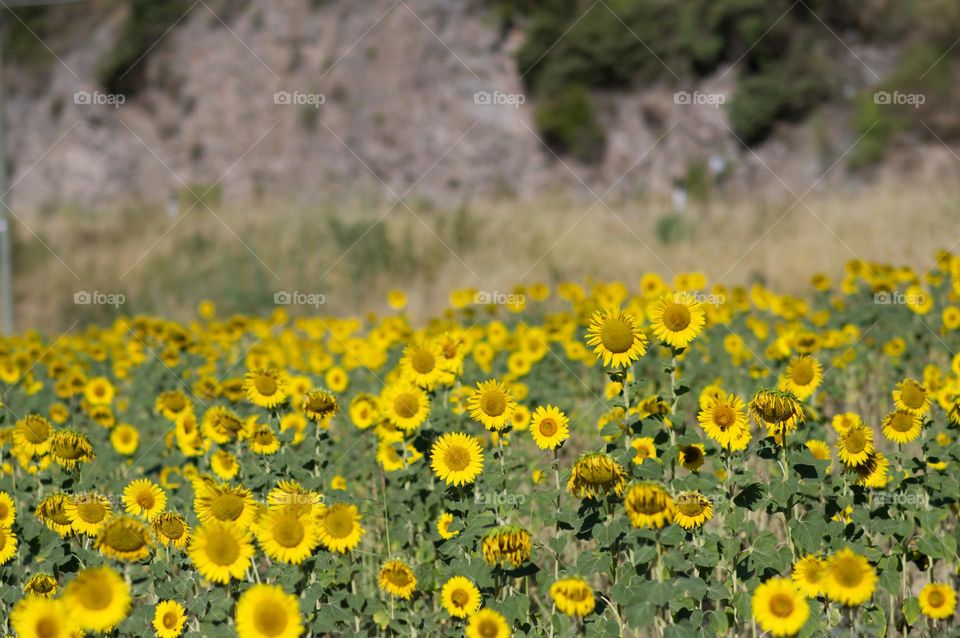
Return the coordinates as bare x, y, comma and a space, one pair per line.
650, 506
617, 335
222, 548
265, 385
676, 317
548, 427
493, 403
692, 454
398, 577
724, 416
423, 361
802, 374
901, 422
171, 528
936, 598
488, 629
146, 500
91, 512
781, 605
122, 539
457, 458
856, 441
642, 452
48, 627
95, 594
36, 431
690, 506
460, 598
270, 619
227, 507
338, 524
406, 405
847, 573
288, 531
170, 620
912, 396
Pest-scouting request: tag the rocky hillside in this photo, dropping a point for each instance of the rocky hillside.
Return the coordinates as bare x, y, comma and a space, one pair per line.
264, 100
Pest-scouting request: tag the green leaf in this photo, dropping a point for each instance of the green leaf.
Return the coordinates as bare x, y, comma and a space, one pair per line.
911, 610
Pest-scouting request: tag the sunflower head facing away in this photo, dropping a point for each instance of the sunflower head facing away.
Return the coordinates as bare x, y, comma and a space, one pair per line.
778, 411
507, 544
649, 505
573, 596
596, 474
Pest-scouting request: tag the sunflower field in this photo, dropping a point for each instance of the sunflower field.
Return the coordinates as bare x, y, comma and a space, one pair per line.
606, 459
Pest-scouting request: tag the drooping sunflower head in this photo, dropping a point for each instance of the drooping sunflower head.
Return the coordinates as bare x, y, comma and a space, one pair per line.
778, 411
492, 405
172, 529
460, 597
573, 596
397, 579
779, 607
443, 526
457, 458
596, 474
70, 449
649, 505
506, 544
42, 585
52, 512
294, 495
616, 338
874, 472
124, 538
850, 579
692, 510
320, 406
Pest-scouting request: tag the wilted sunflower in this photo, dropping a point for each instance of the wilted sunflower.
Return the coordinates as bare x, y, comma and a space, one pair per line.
616, 338
124, 538
221, 551
339, 527
902, 426
850, 578
144, 498
460, 597
42, 585
266, 611
88, 512
287, 534
37, 617
549, 427
855, 445
487, 623
70, 449
506, 544
778, 411
778, 607
443, 526
171, 529
492, 405
595, 474
397, 579
457, 458
32, 435
677, 319
692, 510
724, 420
802, 376
573, 596
405, 405
648, 505
808, 575
169, 618
938, 600
98, 599
52, 512
8, 544
265, 387
911, 396
319, 406
225, 504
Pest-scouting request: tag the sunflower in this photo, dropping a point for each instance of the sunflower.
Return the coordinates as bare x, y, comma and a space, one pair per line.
911, 396
646, 449
124, 538
405, 405
224, 465
70, 449
125, 438
677, 319
421, 364
52, 512
573, 596
819, 449
487, 623
32, 434
171, 529
320, 406
42, 585
99, 391
220, 424
173, 404
364, 410
292, 495
649, 505
874, 471
460, 597
724, 419
779, 607
98, 598
225, 504
443, 526
843, 422
265, 387
38, 617
397, 579
8, 544
492, 405
691, 457
902, 426
778, 411
287, 534
88, 512
339, 527
169, 618
692, 510
266, 611
802, 376
221, 551
595, 474
549, 427
938, 600
457, 458
8, 510
850, 578
808, 575
855, 445
263, 440
145, 498
616, 338
506, 544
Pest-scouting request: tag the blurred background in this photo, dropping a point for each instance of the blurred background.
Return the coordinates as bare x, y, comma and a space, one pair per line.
162, 152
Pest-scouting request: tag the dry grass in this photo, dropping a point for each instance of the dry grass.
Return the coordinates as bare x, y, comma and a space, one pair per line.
240, 257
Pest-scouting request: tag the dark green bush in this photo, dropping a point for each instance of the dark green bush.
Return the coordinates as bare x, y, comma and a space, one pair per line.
568, 124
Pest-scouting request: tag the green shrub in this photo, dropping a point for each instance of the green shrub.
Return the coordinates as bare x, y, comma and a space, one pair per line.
568, 124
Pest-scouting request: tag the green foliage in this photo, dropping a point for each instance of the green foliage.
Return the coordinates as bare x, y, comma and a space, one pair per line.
568, 123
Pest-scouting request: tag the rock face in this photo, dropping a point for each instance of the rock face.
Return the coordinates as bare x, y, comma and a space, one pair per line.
345, 99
